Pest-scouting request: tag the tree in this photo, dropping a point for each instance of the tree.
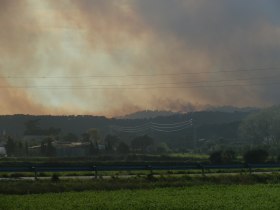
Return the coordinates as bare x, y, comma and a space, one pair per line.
228, 156
142, 143
26, 149
10, 147
94, 136
262, 128
47, 148
111, 142
32, 127
123, 148
85, 137
43, 149
70, 137
256, 156
162, 148
19, 149
222, 157
92, 149
216, 157
53, 131
50, 150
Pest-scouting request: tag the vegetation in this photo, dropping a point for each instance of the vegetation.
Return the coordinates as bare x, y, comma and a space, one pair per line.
148, 181
262, 128
227, 137
222, 157
33, 132
256, 156
115, 159
141, 143
123, 148
195, 197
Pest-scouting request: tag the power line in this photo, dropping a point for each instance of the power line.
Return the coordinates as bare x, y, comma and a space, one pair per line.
153, 85
135, 127
191, 82
139, 75
168, 128
138, 88
171, 126
169, 131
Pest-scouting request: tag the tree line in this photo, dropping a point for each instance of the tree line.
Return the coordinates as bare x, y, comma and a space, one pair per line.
257, 130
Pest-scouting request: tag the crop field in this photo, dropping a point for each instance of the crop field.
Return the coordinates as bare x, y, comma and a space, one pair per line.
194, 197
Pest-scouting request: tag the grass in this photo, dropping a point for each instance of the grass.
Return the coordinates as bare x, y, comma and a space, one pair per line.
194, 197
103, 173
105, 159
135, 173
20, 187
189, 155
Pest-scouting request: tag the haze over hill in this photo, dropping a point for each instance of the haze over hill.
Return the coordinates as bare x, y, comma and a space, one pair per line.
148, 114
209, 125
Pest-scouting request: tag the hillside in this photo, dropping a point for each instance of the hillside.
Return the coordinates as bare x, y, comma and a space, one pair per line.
208, 125
147, 114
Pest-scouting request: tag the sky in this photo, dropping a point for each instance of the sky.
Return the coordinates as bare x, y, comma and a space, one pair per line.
108, 57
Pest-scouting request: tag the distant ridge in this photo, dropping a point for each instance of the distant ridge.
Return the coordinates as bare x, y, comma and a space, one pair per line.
209, 125
147, 114
231, 109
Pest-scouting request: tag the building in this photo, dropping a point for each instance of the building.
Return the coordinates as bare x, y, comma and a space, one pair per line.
3, 152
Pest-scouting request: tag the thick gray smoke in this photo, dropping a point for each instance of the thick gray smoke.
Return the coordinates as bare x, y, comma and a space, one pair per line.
69, 41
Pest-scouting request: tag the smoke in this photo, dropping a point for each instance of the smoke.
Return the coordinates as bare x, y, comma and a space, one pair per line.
69, 41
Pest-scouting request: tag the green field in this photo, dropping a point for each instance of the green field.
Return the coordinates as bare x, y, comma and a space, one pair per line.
195, 197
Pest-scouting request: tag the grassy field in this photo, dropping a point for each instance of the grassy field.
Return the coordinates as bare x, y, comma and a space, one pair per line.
23, 187
179, 157
194, 197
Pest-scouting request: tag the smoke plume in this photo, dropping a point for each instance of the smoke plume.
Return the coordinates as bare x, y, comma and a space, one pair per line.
107, 57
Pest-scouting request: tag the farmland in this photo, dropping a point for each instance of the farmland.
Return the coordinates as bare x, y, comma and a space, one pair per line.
192, 197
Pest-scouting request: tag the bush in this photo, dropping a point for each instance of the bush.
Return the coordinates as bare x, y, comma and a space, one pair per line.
150, 177
256, 156
228, 156
220, 157
55, 178
216, 157
123, 148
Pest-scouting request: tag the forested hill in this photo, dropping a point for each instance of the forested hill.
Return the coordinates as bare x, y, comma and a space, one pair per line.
15, 124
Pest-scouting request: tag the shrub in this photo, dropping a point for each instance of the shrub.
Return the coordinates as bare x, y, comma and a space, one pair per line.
228, 156
256, 156
123, 148
55, 178
150, 177
220, 157
216, 157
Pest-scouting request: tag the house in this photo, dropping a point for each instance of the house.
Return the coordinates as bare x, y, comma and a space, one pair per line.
3, 152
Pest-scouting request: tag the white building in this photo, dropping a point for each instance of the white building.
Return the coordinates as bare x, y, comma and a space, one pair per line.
3, 152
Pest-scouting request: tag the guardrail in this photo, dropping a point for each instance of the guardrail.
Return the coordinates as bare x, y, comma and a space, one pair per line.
151, 168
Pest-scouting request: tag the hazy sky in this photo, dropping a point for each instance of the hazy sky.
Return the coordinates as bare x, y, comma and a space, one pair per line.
111, 57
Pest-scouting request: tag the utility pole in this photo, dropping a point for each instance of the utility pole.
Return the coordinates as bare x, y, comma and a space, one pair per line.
194, 134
